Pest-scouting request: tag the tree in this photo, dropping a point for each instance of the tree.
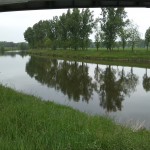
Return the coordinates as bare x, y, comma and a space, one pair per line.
63, 30
147, 37
97, 41
87, 23
75, 28
134, 35
36, 35
54, 32
39, 34
2, 49
112, 21
98, 38
124, 35
141, 43
23, 46
29, 37
75, 25
118, 44
48, 43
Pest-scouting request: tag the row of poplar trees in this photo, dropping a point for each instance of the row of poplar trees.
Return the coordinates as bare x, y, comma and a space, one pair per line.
72, 30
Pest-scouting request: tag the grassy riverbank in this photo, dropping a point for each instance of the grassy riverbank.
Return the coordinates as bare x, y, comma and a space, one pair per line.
139, 55
27, 122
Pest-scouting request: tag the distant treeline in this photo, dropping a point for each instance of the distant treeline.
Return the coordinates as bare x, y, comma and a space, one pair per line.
13, 46
72, 30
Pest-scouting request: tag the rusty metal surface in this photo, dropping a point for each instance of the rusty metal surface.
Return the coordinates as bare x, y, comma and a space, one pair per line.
14, 5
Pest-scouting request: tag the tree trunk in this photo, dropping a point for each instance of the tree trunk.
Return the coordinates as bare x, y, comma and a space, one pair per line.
109, 49
132, 47
123, 47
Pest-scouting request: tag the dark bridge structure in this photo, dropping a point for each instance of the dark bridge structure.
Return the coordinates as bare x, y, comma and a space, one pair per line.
16, 5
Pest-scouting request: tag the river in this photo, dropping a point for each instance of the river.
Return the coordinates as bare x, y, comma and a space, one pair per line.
122, 93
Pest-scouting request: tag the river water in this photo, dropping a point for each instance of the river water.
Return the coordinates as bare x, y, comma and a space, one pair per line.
122, 93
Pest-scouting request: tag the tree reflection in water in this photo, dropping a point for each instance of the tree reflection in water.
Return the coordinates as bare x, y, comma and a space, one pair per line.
73, 79
113, 88
146, 82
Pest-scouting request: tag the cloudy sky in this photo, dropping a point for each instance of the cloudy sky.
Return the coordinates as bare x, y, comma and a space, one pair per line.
13, 24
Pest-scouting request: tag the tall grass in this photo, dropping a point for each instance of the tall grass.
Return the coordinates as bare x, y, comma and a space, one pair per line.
126, 55
28, 123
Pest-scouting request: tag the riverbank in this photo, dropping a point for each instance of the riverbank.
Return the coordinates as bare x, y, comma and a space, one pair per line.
27, 122
126, 56
139, 58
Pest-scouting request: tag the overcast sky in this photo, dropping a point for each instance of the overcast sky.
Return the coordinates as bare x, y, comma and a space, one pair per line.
13, 24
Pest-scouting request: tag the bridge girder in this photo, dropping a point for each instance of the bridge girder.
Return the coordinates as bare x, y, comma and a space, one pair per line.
16, 5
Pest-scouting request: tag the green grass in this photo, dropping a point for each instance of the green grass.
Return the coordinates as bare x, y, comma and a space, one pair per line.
138, 58
28, 123
92, 54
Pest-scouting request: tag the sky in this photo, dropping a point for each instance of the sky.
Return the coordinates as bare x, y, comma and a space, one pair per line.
14, 24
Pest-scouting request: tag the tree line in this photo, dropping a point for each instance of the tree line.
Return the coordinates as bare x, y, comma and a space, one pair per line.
12, 46
72, 30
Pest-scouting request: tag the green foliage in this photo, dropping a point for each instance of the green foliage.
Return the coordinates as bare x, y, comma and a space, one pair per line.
39, 34
97, 40
147, 37
72, 30
27, 122
29, 37
134, 35
48, 43
112, 21
23, 46
64, 29
53, 34
2, 49
69, 30
75, 25
124, 35
87, 24
8, 46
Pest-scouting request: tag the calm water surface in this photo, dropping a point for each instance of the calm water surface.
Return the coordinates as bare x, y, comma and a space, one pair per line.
119, 92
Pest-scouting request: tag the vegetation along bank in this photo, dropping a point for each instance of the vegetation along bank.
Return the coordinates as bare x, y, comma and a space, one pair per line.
68, 36
28, 122
139, 56
111, 30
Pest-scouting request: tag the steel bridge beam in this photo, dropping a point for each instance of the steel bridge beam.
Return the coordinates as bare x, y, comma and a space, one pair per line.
17, 5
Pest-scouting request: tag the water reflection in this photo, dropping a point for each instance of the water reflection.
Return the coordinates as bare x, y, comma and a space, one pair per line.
113, 86
120, 92
73, 79
146, 82
14, 53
